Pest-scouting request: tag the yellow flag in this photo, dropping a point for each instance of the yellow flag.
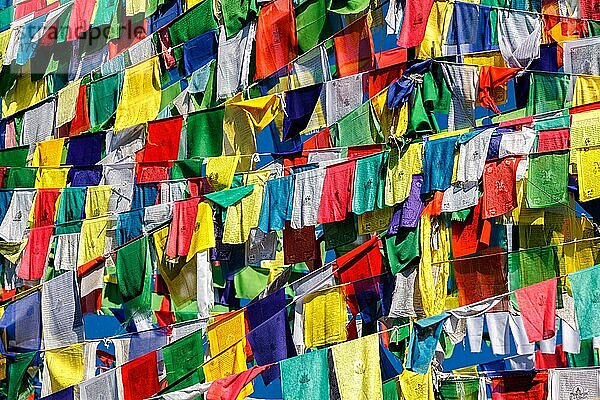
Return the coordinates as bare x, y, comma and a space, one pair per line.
489, 59
203, 237
140, 98
401, 168
48, 153
4, 39
67, 102
436, 30
587, 90
96, 201
91, 241
244, 215
220, 171
133, 7
51, 178
433, 274
262, 110
416, 386
239, 130
160, 243
65, 366
325, 317
227, 346
357, 368
25, 93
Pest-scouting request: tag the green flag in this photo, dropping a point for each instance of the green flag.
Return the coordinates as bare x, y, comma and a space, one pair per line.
205, 133
183, 356
547, 180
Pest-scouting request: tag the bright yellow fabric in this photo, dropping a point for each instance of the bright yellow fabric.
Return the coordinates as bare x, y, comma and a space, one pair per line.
23, 94
96, 201
65, 366
588, 168
587, 90
416, 386
433, 274
221, 336
160, 238
140, 98
261, 110
48, 178
388, 118
357, 368
2, 368
244, 215
203, 237
91, 242
400, 170
238, 132
133, 7
4, 39
582, 254
67, 102
220, 171
489, 59
48, 153
584, 126
437, 28
325, 317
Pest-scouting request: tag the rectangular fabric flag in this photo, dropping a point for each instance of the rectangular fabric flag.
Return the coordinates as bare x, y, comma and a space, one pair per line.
140, 377
132, 266
325, 317
183, 356
227, 346
357, 368
537, 304
62, 321
305, 377
276, 43
64, 366
354, 48
21, 325
585, 286
140, 98
105, 384
423, 341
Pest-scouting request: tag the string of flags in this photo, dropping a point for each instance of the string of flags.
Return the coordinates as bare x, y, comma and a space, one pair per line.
299, 199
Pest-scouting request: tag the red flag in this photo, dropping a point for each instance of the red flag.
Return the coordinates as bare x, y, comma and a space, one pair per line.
416, 14
35, 253
489, 79
81, 121
358, 266
45, 206
354, 49
276, 42
162, 143
230, 387
336, 200
140, 377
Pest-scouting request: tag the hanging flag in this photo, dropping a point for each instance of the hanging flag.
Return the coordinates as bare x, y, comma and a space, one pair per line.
357, 368
537, 304
423, 341
276, 42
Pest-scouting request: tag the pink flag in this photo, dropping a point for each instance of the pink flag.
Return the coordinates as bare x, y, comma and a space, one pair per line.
537, 304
